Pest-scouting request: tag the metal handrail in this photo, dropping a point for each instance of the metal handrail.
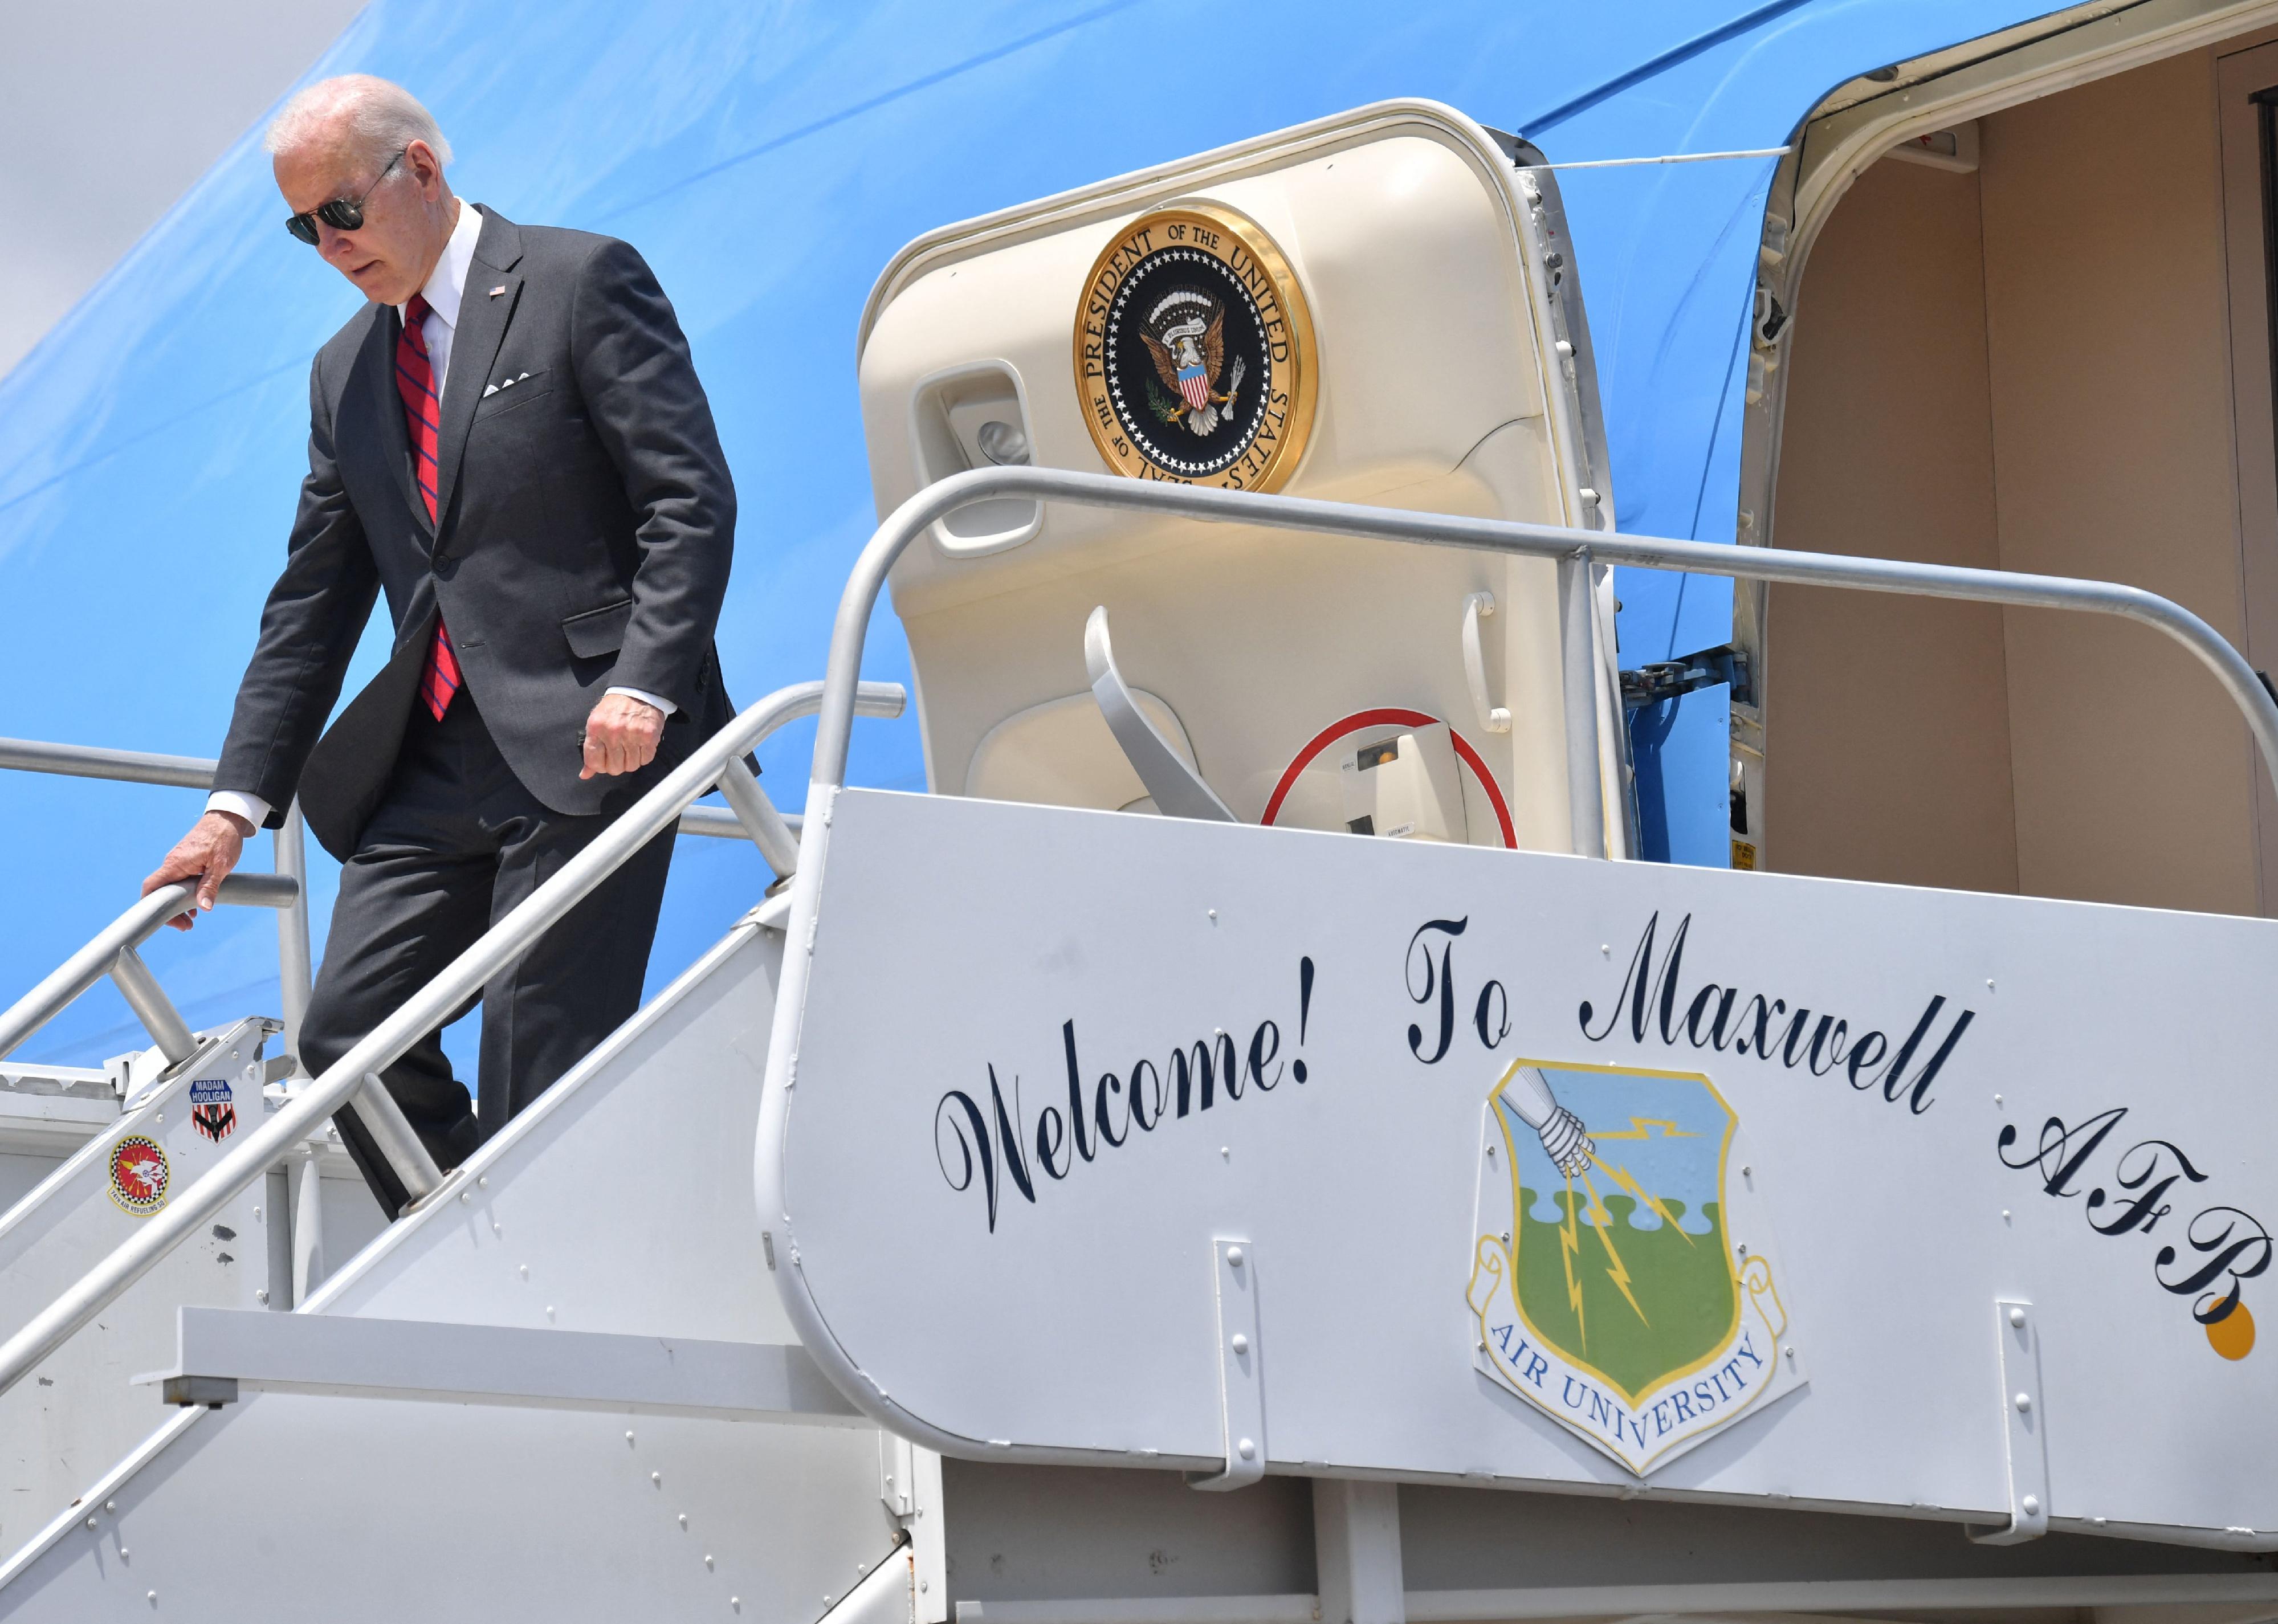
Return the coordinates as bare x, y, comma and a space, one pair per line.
295, 964
295, 971
119, 938
146, 767
1510, 536
126, 767
499, 947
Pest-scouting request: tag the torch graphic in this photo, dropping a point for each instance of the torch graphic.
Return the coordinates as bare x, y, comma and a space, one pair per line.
1564, 1139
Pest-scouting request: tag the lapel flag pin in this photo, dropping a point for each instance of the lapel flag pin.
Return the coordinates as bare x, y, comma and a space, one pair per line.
498, 290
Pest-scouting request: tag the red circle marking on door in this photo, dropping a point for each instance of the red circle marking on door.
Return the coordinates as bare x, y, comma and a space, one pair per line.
1358, 720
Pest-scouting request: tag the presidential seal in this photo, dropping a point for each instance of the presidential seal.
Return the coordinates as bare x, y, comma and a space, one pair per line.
1194, 352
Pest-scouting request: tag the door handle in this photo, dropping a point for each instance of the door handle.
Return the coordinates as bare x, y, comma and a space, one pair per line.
1493, 717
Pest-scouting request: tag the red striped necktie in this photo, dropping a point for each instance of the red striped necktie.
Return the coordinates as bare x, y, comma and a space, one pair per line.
422, 419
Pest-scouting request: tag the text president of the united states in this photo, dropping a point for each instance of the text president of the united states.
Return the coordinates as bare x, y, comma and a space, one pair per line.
508, 441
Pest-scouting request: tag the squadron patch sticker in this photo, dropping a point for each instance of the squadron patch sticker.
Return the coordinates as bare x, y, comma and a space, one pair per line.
139, 1175
1194, 352
213, 1107
1622, 1278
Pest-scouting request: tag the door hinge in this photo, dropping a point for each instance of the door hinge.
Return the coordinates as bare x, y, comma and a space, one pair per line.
1666, 679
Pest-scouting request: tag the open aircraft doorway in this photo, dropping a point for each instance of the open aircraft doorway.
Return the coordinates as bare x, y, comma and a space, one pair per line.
2012, 311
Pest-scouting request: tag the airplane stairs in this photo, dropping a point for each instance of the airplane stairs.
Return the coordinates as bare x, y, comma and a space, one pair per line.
562, 1384
609, 1232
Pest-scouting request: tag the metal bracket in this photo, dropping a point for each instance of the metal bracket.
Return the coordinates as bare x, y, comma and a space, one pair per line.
1666, 679
897, 1476
1241, 1394
1493, 717
2024, 1431
191, 1391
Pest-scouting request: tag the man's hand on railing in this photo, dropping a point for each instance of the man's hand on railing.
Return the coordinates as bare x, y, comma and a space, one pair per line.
621, 736
206, 854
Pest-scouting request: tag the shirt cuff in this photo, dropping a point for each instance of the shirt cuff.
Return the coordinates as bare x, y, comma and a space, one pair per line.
252, 808
666, 706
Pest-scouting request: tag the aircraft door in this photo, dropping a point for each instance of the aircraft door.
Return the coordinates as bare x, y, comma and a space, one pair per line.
1382, 308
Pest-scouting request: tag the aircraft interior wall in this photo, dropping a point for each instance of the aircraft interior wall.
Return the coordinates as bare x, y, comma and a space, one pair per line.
2028, 367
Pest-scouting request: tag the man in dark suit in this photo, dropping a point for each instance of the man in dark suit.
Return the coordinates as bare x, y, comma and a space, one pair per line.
509, 440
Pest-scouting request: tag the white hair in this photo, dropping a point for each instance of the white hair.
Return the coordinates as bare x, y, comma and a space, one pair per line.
377, 118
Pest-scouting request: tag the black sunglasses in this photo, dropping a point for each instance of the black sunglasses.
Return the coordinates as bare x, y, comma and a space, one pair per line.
342, 214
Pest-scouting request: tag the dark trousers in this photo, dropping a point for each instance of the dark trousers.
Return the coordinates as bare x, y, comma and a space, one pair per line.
456, 843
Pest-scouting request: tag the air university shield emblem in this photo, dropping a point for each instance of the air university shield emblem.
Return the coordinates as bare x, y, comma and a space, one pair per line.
1624, 1281
1194, 352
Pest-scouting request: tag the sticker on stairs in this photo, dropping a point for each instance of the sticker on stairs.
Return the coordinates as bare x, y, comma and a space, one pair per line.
138, 1174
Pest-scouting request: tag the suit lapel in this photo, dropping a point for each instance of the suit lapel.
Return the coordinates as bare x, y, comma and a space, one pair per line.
475, 345
387, 406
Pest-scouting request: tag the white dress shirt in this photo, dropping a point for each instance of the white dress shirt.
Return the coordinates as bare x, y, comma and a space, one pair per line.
445, 290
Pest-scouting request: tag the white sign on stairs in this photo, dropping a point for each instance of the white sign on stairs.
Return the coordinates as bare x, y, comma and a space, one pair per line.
1548, 1170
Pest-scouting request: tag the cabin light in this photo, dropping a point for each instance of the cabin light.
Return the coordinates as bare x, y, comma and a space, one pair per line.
1003, 443
1953, 148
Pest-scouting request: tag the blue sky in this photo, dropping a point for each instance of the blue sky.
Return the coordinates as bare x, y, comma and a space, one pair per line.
768, 159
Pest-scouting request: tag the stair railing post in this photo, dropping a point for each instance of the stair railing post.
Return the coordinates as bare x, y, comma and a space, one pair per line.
295, 973
395, 1139
151, 1006
760, 820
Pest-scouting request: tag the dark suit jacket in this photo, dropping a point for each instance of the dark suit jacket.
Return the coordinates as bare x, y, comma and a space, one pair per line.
587, 522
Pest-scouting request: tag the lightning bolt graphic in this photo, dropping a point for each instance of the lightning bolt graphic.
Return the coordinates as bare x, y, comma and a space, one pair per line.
1570, 1242
1639, 1127
1623, 1177
1600, 1220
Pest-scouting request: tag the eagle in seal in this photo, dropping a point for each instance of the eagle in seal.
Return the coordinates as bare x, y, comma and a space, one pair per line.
1190, 353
